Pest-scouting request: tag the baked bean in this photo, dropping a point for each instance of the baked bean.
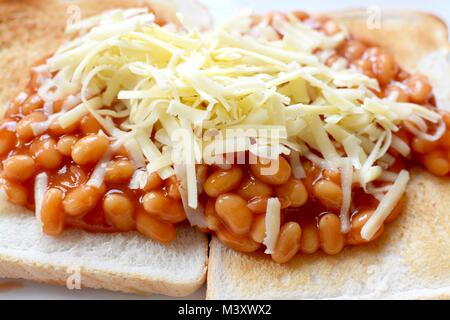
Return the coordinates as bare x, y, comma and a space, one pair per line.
154, 181
222, 181
258, 230
353, 237
258, 204
238, 243
81, 200
119, 171
288, 242
310, 242
202, 175
332, 175
23, 127
353, 49
19, 167
65, 145
396, 211
331, 238
312, 172
122, 152
419, 88
172, 188
437, 163
384, 68
365, 66
328, 193
251, 188
90, 149
56, 129
88, 124
45, 153
155, 201
233, 211
58, 105
273, 172
15, 192
32, 103
162, 206
292, 192
119, 211
445, 140
423, 146
7, 141
212, 219
400, 94
52, 212
151, 227
446, 118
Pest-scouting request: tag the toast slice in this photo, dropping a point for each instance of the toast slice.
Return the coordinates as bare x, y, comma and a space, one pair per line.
412, 258
126, 262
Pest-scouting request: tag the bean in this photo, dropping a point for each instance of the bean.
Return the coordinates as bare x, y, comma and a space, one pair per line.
288, 242
310, 242
331, 238
238, 243
293, 192
251, 188
65, 144
81, 200
233, 211
119, 211
15, 192
119, 171
23, 127
437, 163
19, 167
88, 124
328, 193
222, 181
45, 153
52, 212
151, 227
272, 172
7, 141
90, 149
162, 206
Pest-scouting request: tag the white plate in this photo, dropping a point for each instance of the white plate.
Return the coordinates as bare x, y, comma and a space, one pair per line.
219, 9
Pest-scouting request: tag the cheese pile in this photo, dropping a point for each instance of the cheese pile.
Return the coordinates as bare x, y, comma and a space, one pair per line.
174, 89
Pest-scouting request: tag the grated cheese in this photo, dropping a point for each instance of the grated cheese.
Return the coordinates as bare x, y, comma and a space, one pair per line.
387, 204
169, 85
272, 222
40, 187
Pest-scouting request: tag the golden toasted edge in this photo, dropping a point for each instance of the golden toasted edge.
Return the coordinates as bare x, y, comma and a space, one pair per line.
241, 275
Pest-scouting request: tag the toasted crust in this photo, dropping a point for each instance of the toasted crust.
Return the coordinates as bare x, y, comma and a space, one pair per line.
128, 262
32, 29
409, 261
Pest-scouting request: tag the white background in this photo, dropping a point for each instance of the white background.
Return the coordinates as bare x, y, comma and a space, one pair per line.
220, 8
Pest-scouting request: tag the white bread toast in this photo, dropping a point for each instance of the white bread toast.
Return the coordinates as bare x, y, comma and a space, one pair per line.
411, 260
127, 262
